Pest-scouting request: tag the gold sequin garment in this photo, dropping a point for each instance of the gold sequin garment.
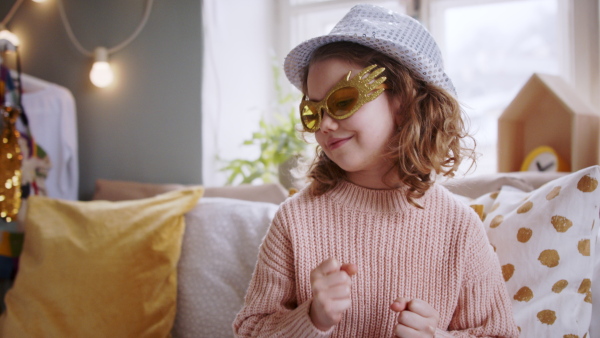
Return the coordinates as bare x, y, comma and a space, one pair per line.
10, 165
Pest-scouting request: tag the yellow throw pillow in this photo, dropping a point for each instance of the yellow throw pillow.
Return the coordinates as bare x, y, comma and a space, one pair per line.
99, 268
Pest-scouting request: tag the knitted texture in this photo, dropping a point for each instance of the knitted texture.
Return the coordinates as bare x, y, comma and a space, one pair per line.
439, 254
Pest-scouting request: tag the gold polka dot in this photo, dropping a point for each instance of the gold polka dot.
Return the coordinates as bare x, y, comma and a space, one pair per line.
585, 286
524, 294
494, 195
587, 184
525, 207
570, 336
588, 297
549, 258
507, 271
518, 327
524, 234
559, 286
547, 316
553, 193
584, 247
561, 223
479, 210
496, 221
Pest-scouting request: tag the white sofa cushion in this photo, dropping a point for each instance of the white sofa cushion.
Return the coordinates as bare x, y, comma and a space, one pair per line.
219, 252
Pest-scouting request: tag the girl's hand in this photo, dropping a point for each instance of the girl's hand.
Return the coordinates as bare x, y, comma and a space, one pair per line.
330, 282
416, 318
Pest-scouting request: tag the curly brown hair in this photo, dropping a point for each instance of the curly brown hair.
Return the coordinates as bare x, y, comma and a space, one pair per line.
430, 131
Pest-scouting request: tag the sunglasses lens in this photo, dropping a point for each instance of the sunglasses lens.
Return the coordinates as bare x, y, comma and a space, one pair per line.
342, 101
309, 118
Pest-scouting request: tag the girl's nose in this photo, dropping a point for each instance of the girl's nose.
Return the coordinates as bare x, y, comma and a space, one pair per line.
328, 123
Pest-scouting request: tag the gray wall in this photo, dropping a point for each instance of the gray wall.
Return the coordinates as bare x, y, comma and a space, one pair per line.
146, 126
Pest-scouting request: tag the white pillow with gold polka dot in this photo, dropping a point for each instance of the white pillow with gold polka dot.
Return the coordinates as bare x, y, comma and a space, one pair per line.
545, 242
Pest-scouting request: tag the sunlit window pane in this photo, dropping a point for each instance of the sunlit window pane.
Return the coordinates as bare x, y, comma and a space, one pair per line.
301, 2
490, 51
309, 24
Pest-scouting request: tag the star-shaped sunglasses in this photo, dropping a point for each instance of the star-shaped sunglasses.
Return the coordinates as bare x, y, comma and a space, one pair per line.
344, 99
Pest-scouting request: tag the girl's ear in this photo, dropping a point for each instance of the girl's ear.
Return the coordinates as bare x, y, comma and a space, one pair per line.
394, 103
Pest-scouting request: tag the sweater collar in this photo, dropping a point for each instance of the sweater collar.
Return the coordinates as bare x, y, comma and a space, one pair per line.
374, 200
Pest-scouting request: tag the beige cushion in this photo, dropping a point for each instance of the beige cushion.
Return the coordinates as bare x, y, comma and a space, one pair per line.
115, 190
475, 186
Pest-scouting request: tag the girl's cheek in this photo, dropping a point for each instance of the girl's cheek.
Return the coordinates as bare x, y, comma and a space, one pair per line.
320, 139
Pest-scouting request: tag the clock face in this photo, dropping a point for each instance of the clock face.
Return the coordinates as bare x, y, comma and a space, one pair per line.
544, 159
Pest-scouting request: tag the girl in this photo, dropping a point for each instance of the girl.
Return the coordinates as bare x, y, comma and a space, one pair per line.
373, 247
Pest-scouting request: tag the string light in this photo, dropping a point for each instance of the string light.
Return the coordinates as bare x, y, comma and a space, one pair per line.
7, 35
101, 74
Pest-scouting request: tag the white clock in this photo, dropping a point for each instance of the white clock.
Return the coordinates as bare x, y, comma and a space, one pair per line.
544, 159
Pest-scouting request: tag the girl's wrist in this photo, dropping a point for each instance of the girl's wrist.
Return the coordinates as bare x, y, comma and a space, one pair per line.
314, 318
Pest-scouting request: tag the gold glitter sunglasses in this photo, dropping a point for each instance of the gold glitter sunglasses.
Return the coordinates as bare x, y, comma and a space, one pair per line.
344, 99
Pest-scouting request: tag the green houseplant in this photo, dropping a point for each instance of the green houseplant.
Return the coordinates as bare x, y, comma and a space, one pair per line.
280, 143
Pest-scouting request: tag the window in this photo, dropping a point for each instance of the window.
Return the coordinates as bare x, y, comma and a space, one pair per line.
306, 19
490, 48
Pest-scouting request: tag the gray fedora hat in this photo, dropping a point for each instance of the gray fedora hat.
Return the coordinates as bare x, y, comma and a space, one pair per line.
396, 35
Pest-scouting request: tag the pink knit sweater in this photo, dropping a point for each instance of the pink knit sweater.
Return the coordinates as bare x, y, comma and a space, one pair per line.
440, 255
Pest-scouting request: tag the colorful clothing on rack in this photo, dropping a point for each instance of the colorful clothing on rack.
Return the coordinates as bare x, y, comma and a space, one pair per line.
52, 119
27, 165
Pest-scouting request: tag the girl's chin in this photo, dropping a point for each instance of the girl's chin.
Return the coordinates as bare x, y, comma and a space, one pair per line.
347, 167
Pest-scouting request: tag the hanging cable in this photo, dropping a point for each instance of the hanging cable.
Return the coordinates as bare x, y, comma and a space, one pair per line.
12, 12
114, 49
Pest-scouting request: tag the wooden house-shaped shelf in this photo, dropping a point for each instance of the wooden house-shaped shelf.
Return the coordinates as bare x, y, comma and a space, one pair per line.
548, 112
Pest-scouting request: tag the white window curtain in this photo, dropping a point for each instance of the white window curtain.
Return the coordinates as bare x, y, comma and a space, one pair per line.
237, 84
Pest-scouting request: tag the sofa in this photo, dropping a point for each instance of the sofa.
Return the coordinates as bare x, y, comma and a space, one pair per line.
153, 260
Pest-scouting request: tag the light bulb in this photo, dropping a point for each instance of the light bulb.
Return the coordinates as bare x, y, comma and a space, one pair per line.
39, 1
5, 34
101, 74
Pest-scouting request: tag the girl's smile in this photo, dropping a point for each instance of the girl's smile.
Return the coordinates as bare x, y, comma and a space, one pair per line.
334, 143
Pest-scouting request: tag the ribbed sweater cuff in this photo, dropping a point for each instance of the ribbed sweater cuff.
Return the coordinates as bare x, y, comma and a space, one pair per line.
302, 325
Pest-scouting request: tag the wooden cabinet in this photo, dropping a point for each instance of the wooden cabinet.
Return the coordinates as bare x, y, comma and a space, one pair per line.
548, 112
